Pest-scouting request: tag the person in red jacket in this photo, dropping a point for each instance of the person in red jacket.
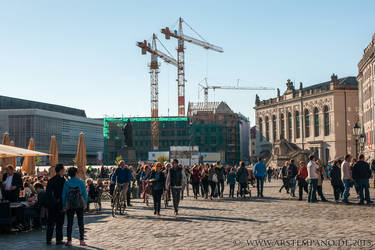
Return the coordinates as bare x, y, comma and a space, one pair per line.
301, 177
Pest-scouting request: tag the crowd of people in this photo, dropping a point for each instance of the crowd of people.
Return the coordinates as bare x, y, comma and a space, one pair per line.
48, 200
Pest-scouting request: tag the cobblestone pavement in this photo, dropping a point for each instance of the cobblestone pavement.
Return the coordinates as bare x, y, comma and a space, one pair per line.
223, 224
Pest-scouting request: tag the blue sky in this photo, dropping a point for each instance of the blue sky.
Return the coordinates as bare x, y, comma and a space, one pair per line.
82, 53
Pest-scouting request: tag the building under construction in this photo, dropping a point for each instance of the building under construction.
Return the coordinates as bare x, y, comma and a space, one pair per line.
212, 126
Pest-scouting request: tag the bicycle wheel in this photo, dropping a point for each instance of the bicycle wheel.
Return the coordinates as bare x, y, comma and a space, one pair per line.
115, 204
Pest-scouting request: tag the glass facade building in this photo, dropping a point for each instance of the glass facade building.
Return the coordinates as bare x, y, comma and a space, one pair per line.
23, 124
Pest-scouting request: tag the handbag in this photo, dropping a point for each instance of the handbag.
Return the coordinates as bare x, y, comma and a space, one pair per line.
214, 178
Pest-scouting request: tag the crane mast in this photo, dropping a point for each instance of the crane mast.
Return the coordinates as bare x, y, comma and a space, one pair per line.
181, 38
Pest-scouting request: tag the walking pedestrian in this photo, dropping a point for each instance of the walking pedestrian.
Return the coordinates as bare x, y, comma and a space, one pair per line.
175, 180
158, 184
336, 182
231, 181
74, 201
301, 177
312, 177
195, 180
346, 176
220, 171
204, 180
243, 177
292, 172
260, 172
212, 177
284, 177
55, 215
269, 173
361, 173
322, 175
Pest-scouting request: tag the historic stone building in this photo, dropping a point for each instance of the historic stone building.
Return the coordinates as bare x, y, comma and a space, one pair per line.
366, 80
319, 118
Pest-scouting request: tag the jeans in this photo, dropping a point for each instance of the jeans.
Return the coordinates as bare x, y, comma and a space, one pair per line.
213, 188
347, 185
363, 184
243, 189
156, 194
55, 218
70, 214
285, 185
319, 189
231, 190
312, 190
292, 185
205, 187
176, 192
220, 187
260, 183
195, 189
302, 186
337, 191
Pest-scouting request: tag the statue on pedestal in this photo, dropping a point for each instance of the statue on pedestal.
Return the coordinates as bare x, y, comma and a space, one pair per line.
128, 134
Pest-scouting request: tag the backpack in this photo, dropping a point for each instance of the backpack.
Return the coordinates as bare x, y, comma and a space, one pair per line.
74, 199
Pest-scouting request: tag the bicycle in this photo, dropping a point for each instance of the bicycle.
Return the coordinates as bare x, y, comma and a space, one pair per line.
119, 199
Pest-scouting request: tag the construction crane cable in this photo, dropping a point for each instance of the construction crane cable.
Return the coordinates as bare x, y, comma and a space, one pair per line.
194, 31
164, 47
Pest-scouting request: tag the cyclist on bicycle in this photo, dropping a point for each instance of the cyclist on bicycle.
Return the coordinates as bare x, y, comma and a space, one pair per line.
121, 177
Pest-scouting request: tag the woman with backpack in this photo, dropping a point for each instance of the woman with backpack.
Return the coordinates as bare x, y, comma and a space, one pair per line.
74, 199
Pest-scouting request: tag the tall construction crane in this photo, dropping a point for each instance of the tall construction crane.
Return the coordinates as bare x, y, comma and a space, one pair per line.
206, 87
181, 58
154, 71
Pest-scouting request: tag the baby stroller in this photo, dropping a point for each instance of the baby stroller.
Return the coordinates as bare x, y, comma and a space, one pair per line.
247, 191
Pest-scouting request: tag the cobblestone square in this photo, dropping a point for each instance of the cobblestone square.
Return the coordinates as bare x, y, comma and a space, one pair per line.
222, 224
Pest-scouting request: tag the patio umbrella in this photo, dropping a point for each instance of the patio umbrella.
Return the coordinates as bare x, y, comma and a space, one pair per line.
81, 157
54, 156
5, 161
9, 151
29, 163
13, 159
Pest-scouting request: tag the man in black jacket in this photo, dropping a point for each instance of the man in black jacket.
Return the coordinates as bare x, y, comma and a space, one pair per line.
361, 173
175, 180
55, 211
12, 184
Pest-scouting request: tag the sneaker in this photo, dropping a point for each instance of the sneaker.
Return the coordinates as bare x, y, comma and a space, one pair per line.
361, 203
82, 243
68, 243
346, 202
59, 242
369, 202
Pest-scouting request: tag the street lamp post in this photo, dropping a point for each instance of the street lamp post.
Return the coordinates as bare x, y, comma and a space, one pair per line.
361, 142
356, 133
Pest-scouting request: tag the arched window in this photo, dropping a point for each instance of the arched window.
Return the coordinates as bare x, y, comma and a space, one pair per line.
326, 120
316, 122
261, 129
298, 125
267, 129
307, 123
274, 128
289, 126
282, 127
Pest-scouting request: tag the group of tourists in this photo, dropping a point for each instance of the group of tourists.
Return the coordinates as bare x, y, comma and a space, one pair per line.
343, 175
66, 195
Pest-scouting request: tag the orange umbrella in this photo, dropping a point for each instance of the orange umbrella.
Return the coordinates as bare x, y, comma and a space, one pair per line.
54, 156
5, 161
81, 157
29, 163
13, 159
